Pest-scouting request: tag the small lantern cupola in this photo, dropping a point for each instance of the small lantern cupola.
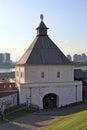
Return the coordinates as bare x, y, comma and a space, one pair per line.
41, 29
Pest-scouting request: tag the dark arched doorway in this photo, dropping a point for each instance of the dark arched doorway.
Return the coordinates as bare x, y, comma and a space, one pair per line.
49, 101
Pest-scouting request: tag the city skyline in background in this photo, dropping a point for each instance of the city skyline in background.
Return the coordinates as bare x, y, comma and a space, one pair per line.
5, 58
66, 20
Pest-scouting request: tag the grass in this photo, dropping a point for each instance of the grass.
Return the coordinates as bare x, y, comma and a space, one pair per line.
77, 121
14, 115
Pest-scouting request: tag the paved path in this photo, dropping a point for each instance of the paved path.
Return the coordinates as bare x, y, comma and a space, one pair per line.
37, 120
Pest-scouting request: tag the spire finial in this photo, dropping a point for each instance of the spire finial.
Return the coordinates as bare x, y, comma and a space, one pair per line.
41, 16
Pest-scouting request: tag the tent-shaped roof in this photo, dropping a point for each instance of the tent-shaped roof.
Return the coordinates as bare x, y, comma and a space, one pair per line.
43, 51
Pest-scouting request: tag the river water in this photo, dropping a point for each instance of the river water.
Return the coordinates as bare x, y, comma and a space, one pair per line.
6, 70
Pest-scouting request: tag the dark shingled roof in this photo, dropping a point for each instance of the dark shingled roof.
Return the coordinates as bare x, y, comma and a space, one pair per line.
43, 51
41, 25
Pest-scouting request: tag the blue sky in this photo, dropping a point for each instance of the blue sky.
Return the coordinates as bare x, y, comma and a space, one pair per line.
66, 19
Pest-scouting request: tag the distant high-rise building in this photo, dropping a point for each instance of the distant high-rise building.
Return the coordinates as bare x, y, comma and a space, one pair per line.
84, 57
1, 58
75, 57
69, 57
80, 58
7, 58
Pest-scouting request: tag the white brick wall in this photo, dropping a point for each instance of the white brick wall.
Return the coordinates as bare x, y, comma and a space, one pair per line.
32, 74
64, 86
66, 92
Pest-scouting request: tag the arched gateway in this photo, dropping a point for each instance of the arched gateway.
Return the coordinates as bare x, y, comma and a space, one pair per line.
50, 101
